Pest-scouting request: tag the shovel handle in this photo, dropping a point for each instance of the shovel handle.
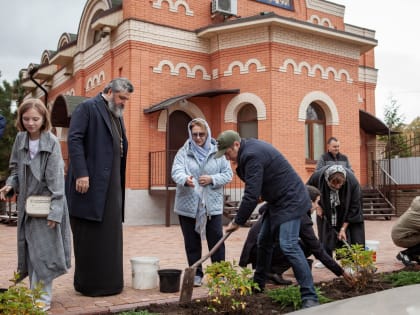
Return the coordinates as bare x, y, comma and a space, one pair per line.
211, 252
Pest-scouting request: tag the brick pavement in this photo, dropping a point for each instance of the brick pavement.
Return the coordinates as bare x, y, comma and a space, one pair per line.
166, 244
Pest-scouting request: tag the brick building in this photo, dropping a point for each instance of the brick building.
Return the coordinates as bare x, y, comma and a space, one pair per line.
290, 72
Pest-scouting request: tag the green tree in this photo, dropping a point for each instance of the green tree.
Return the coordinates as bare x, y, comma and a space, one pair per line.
412, 134
8, 93
397, 145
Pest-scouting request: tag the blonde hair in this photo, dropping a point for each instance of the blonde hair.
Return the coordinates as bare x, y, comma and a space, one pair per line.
198, 122
40, 107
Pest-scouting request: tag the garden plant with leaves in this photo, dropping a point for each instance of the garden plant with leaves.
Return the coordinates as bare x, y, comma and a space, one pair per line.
19, 300
359, 262
290, 296
228, 285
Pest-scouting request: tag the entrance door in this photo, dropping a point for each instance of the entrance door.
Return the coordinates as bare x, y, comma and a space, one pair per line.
177, 135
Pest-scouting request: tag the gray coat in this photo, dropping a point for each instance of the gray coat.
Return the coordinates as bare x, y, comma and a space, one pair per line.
49, 250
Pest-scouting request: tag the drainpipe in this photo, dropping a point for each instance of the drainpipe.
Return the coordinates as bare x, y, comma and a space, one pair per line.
31, 74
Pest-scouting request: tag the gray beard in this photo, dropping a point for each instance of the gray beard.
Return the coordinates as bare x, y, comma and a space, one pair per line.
115, 110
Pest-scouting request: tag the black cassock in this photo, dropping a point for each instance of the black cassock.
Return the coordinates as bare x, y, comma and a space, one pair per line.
98, 246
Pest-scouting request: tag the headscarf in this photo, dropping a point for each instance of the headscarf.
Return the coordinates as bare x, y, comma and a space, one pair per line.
200, 152
334, 197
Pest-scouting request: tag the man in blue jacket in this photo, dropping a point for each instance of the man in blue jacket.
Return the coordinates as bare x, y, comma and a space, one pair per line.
269, 176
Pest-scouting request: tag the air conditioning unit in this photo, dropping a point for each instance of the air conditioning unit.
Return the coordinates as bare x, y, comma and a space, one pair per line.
229, 7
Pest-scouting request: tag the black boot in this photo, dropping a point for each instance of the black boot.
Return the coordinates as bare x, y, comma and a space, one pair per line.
278, 279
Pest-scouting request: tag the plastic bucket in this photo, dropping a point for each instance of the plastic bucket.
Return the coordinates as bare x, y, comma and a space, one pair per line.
373, 246
169, 280
144, 272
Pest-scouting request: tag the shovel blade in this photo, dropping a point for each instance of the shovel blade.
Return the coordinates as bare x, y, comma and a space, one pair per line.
187, 285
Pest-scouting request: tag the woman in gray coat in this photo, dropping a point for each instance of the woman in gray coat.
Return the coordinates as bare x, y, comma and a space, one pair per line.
37, 168
199, 179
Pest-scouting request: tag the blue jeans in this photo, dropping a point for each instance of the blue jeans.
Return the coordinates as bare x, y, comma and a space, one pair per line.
289, 244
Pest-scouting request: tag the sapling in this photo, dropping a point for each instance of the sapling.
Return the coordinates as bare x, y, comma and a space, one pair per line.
228, 284
359, 262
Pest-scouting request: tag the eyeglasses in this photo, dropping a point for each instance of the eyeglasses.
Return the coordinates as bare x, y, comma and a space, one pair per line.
198, 134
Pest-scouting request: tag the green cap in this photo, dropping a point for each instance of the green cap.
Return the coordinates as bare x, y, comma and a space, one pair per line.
225, 140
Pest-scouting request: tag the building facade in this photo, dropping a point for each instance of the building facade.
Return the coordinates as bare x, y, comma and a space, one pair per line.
289, 72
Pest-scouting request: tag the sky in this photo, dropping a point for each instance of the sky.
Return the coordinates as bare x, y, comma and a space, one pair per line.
39, 25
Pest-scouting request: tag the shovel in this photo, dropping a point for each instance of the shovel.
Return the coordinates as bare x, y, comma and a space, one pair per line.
189, 273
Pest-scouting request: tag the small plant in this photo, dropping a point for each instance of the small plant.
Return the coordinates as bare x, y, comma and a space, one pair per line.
359, 262
19, 300
403, 278
290, 296
228, 284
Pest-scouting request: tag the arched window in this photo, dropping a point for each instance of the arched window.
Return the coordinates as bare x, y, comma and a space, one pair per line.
97, 34
314, 132
247, 122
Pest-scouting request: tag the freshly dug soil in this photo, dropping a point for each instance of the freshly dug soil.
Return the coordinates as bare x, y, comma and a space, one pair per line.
336, 289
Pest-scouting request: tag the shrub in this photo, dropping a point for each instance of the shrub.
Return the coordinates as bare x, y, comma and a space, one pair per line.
19, 300
290, 296
228, 284
359, 262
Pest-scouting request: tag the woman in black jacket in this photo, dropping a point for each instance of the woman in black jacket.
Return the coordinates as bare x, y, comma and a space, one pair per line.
340, 215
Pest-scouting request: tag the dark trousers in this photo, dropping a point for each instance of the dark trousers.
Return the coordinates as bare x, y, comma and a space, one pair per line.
412, 251
192, 240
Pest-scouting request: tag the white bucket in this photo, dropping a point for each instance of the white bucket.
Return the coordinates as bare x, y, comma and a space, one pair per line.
373, 246
144, 272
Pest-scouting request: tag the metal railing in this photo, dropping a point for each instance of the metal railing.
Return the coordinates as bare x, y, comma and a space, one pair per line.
160, 166
234, 190
384, 182
402, 145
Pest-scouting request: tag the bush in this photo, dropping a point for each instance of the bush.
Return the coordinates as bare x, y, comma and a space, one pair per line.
228, 284
359, 262
19, 300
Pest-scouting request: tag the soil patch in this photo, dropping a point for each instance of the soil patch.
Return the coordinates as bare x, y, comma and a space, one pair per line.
336, 289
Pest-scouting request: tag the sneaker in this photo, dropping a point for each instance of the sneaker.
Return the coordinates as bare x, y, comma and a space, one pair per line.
43, 306
198, 281
405, 259
309, 303
318, 265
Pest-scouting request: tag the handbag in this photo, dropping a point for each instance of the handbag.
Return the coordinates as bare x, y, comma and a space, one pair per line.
38, 206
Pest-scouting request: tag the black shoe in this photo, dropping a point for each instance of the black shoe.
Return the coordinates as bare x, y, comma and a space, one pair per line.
309, 303
405, 259
278, 279
258, 290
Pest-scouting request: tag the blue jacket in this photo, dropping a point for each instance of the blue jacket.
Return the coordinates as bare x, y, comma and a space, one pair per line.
267, 174
90, 150
187, 198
